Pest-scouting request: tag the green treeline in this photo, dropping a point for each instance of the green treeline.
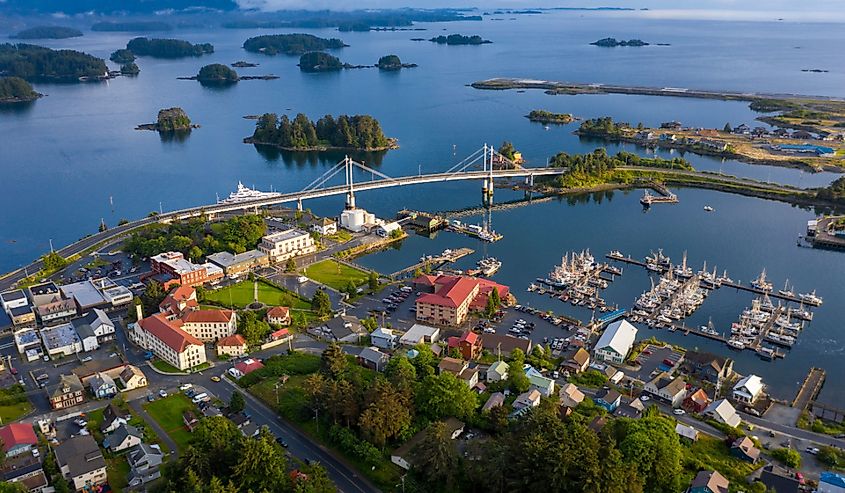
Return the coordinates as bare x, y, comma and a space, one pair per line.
16, 89
317, 61
360, 132
834, 192
290, 44
544, 116
48, 32
598, 167
122, 56
217, 72
33, 62
459, 39
602, 126
167, 48
389, 62
195, 238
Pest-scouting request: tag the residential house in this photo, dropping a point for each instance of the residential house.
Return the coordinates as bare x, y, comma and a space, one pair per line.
632, 410
570, 395
503, 345
403, 456
578, 362
497, 399
831, 482
608, 399
190, 420
687, 432
144, 464
780, 480
233, 345
81, 462
25, 470
278, 315
743, 448
132, 378
384, 338
696, 402
167, 340
667, 389
713, 145
723, 412
372, 358
234, 265
708, 367
545, 385
95, 322
497, 371
802, 134
123, 437
112, 419
527, 400
420, 334
468, 344
709, 482
470, 377
343, 328
452, 298
460, 369
57, 310
17, 438
67, 392
284, 245
748, 390
615, 343
245, 367
102, 386
386, 229
325, 226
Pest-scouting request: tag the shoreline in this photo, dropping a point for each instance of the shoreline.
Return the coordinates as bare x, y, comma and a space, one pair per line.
392, 145
16, 100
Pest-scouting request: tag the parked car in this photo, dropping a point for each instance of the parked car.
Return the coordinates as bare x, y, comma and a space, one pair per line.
185, 386
812, 450
679, 412
162, 393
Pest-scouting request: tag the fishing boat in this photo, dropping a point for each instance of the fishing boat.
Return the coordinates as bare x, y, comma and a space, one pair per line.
766, 353
489, 265
761, 283
615, 254
810, 298
736, 344
683, 270
786, 291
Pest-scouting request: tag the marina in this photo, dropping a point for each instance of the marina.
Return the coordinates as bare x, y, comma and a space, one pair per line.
433, 262
578, 279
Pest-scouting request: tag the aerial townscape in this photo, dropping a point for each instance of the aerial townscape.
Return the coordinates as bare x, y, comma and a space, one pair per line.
577, 247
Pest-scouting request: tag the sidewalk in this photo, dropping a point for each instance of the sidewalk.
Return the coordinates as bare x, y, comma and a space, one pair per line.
159, 431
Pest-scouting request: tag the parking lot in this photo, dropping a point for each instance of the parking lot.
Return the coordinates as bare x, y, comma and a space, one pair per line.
652, 362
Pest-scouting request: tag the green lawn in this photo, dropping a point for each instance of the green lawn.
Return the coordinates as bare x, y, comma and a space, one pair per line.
117, 470
334, 274
166, 367
710, 453
167, 413
242, 294
13, 412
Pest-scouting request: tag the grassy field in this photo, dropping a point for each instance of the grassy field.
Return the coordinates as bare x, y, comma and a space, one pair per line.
167, 413
334, 274
166, 367
241, 294
117, 470
11, 410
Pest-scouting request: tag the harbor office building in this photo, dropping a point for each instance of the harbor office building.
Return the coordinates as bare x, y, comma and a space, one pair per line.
284, 245
615, 343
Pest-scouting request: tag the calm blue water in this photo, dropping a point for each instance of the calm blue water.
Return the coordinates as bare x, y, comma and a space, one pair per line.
63, 157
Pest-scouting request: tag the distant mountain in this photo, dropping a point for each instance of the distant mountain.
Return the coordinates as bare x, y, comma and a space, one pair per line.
112, 6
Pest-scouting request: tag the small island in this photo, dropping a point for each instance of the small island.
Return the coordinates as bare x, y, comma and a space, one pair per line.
129, 69
217, 73
48, 32
459, 39
170, 120
37, 63
243, 64
122, 56
317, 61
542, 116
393, 62
16, 90
290, 44
131, 26
613, 42
167, 48
355, 133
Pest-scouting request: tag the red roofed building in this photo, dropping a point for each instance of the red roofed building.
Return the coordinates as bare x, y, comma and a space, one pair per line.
234, 345
209, 325
247, 366
278, 315
181, 299
468, 344
167, 340
451, 298
280, 335
17, 438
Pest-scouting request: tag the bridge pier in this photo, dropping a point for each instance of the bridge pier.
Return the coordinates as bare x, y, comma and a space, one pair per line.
299, 205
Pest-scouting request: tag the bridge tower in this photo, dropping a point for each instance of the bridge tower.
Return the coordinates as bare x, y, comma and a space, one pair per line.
350, 193
299, 204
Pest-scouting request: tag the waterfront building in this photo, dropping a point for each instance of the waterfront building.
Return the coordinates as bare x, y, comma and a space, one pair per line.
451, 298
386, 229
171, 268
283, 245
748, 390
324, 226
708, 367
167, 340
237, 264
357, 220
616, 342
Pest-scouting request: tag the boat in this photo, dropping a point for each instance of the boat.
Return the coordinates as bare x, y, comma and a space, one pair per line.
736, 344
707, 208
810, 298
246, 194
615, 254
489, 265
766, 353
761, 283
646, 199
786, 291
780, 339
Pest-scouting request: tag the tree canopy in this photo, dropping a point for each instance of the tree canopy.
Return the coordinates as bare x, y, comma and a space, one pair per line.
217, 72
459, 39
195, 238
290, 44
318, 61
122, 56
16, 89
47, 32
167, 48
360, 132
33, 62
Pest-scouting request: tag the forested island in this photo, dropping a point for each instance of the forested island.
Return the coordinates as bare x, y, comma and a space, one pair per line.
33, 62
542, 116
353, 20
613, 42
317, 61
167, 48
459, 39
243, 64
131, 26
290, 44
217, 72
122, 56
393, 62
356, 132
47, 32
16, 90
130, 68
170, 120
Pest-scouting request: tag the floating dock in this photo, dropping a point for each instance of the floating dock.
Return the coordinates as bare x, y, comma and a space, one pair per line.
434, 262
809, 389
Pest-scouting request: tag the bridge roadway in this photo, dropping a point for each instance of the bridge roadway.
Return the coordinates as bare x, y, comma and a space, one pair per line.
119, 232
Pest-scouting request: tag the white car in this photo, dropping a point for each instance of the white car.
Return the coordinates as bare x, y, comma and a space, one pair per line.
35, 452
185, 386
162, 393
812, 450
643, 398
679, 412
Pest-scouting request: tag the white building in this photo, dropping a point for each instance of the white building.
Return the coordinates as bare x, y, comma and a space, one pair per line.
723, 412
61, 340
419, 333
615, 343
325, 226
95, 323
385, 230
283, 245
166, 339
13, 299
356, 220
384, 338
748, 390
56, 310
209, 325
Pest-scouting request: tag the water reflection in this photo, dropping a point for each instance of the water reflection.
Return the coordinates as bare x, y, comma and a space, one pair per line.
326, 158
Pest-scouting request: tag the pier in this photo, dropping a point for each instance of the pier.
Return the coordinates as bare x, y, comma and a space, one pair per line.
809, 389
665, 197
434, 262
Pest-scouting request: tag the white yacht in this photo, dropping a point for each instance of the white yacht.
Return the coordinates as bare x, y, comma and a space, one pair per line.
245, 194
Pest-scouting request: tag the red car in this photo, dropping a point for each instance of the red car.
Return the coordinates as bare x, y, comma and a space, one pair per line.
13, 370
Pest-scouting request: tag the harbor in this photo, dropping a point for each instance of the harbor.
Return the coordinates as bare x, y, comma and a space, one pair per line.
433, 262
665, 196
578, 279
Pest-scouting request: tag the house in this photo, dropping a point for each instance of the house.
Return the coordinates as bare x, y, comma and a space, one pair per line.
372, 358
343, 328
123, 437
167, 340
102, 386
545, 385
667, 389
470, 377
723, 412
696, 402
403, 456
497, 371
453, 298
713, 145
527, 400
708, 367
97, 322
578, 362
132, 378
497, 399
234, 265
144, 464
503, 345
780, 480
743, 448
112, 419
81, 462
17, 438
67, 392
278, 315
384, 338
802, 134
171, 268
418, 334
281, 335
748, 390
632, 410
190, 420
687, 432
597, 424
709, 482
468, 344
608, 399
250, 430
386, 229
570, 395
451, 365
233, 345
57, 310
831, 482
181, 299
245, 367
25, 470
325, 226
615, 343
284, 245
